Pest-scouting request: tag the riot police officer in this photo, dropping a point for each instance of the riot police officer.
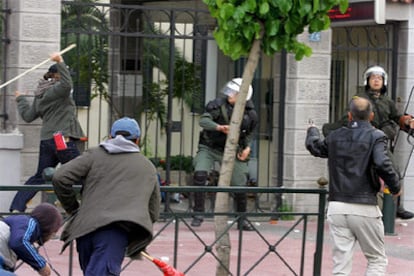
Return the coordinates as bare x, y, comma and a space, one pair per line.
215, 124
386, 116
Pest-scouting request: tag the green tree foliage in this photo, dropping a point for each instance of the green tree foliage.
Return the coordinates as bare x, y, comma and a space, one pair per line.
83, 23
247, 28
187, 76
86, 24
187, 84
240, 22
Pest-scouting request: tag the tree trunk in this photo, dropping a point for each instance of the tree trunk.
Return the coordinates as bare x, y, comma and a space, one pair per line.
222, 199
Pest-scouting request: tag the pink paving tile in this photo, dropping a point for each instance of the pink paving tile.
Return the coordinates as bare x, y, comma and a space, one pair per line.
399, 247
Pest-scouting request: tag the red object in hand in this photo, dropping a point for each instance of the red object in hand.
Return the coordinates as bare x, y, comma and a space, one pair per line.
167, 269
164, 267
59, 141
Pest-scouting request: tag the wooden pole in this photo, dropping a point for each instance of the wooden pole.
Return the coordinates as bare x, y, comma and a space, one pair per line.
147, 256
70, 47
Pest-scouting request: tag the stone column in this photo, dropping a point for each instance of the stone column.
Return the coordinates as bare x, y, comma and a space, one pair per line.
10, 147
34, 31
307, 96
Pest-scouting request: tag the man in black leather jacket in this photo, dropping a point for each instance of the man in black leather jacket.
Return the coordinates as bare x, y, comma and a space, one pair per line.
357, 158
387, 118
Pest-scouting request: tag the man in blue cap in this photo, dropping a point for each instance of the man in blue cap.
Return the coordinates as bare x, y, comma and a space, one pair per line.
120, 200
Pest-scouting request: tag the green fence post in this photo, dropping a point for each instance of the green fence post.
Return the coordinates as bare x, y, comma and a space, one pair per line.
388, 213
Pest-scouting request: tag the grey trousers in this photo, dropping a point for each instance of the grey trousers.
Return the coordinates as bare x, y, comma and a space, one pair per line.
346, 231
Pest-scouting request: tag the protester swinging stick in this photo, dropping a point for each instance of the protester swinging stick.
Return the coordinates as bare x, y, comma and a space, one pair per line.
70, 47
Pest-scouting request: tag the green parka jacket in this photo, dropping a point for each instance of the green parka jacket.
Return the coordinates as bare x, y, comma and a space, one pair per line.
54, 105
120, 186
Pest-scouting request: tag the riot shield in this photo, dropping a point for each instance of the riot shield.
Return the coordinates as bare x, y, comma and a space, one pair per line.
404, 142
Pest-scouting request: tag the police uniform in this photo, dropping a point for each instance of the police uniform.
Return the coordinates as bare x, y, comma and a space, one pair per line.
211, 148
386, 117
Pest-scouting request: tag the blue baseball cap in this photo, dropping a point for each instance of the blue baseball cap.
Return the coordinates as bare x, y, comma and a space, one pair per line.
126, 124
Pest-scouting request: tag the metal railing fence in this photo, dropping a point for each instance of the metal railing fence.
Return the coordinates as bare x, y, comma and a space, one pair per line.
178, 219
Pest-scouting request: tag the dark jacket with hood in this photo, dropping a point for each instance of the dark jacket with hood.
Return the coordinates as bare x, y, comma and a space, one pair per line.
357, 156
120, 187
54, 105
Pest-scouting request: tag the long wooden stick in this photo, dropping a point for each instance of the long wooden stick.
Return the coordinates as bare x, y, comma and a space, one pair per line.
70, 47
147, 256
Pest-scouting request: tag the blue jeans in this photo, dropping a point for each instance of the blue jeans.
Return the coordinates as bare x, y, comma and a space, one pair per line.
48, 157
102, 251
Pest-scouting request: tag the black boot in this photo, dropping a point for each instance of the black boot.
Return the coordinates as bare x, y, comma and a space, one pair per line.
241, 206
245, 225
401, 212
200, 178
197, 221
404, 214
278, 201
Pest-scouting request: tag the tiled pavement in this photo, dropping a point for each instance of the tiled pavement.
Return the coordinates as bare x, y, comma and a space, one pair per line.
399, 247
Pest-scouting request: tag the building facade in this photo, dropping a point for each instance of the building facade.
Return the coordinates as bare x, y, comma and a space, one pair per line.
146, 44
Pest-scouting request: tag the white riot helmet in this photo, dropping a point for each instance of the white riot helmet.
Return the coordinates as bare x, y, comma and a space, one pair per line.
234, 85
375, 70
